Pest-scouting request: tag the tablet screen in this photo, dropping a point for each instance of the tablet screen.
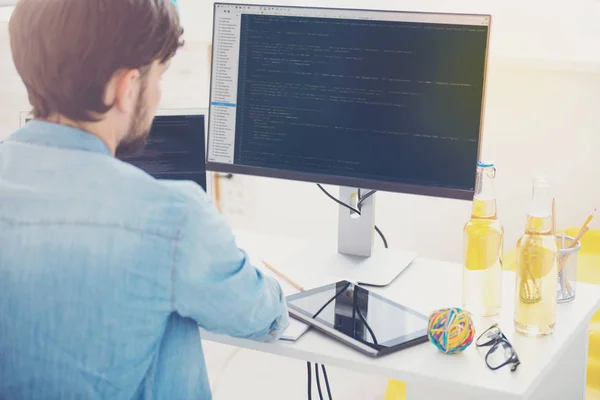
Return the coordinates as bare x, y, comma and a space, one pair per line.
360, 314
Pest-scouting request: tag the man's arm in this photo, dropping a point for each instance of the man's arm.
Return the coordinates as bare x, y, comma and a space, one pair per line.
214, 283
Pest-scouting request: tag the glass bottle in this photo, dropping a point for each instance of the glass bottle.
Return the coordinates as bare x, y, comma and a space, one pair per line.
483, 242
537, 267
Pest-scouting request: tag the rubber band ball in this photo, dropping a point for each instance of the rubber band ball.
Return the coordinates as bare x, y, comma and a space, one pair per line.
451, 330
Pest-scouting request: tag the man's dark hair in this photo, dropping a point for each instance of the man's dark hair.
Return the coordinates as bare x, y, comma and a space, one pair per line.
66, 51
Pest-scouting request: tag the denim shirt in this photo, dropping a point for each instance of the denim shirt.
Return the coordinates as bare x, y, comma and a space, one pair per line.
106, 274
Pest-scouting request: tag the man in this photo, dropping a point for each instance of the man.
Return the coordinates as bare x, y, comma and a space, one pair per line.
105, 272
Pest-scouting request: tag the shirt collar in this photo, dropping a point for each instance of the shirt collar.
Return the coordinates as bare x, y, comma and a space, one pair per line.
56, 135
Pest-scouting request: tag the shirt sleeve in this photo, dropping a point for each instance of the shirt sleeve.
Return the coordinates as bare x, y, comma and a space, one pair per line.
214, 282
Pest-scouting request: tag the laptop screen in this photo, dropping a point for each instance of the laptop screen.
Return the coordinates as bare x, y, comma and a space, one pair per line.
175, 149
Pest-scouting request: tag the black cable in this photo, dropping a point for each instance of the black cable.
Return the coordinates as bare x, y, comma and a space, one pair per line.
322, 366
332, 299
385, 243
318, 381
362, 199
366, 324
341, 203
326, 382
316, 365
362, 318
309, 368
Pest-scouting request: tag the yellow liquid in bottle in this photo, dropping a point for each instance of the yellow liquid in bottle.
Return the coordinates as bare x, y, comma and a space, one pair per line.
482, 271
536, 278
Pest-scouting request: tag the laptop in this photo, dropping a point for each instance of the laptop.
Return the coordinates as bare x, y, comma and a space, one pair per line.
176, 146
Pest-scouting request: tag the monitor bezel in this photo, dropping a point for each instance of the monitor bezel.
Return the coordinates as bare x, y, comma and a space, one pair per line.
363, 183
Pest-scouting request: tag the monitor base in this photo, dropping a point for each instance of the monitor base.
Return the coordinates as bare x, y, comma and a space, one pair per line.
380, 269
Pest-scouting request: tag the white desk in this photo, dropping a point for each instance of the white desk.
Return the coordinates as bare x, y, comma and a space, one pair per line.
552, 367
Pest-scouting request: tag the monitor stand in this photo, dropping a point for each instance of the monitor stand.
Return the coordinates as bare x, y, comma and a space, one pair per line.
356, 259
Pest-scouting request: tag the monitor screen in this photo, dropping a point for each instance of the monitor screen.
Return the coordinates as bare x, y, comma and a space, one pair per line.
370, 99
175, 149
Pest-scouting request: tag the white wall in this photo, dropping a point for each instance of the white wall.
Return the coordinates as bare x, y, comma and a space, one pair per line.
541, 116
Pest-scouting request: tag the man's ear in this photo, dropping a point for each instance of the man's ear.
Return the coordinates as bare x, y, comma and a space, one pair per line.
122, 90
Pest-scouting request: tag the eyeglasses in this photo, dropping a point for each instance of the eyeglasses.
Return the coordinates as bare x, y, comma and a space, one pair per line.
502, 352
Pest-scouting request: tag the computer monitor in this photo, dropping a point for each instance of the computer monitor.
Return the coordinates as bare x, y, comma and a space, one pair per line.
364, 99
176, 146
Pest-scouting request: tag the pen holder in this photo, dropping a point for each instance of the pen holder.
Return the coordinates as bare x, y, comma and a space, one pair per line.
567, 269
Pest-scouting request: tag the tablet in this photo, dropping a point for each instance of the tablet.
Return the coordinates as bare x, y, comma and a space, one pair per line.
366, 321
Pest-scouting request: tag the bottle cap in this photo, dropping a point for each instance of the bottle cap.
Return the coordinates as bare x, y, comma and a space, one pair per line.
483, 164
